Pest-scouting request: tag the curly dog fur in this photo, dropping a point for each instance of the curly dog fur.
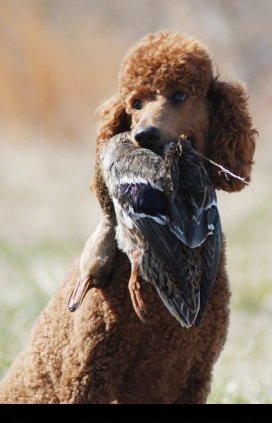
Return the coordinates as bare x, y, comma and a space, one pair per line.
103, 353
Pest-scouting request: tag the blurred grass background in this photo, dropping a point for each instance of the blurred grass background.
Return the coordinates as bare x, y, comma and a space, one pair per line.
58, 61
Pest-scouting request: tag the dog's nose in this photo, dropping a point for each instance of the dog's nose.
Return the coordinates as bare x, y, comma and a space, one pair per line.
146, 135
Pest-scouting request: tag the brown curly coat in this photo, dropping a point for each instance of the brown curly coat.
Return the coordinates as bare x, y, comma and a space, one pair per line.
103, 353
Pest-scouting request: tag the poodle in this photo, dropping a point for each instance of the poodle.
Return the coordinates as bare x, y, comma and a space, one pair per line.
103, 353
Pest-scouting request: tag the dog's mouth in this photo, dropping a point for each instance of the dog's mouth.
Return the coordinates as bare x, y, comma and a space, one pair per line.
156, 147
161, 148
171, 144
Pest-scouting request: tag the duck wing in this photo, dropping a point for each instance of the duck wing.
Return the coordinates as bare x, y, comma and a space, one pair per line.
177, 214
187, 238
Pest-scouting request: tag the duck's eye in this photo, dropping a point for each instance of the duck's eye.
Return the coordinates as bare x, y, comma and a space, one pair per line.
178, 97
137, 104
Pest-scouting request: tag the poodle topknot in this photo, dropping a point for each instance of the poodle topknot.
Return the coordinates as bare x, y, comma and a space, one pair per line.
164, 59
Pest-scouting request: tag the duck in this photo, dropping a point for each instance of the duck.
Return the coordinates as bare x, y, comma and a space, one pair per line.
167, 222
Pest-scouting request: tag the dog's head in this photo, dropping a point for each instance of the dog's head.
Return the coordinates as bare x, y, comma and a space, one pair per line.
163, 83
167, 87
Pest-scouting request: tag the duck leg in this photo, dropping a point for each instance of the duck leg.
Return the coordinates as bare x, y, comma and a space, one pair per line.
96, 262
134, 286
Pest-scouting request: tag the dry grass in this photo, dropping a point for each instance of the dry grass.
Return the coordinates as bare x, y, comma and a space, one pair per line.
52, 77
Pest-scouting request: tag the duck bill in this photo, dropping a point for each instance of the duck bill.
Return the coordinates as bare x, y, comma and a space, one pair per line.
79, 292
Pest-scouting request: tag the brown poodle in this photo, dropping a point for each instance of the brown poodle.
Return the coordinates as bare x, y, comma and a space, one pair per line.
103, 353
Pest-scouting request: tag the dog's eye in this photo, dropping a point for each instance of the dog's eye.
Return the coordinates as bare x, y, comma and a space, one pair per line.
137, 104
178, 97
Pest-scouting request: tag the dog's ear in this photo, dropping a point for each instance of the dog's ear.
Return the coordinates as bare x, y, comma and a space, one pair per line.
113, 120
231, 138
